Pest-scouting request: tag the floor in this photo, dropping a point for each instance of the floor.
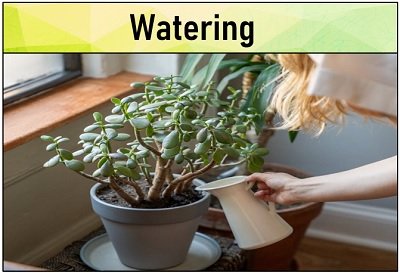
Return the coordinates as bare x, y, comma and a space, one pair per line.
321, 255
315, 254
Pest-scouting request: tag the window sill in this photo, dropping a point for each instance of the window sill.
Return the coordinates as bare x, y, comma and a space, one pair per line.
39, 115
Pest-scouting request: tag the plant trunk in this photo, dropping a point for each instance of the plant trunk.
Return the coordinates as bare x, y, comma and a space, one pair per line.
114, 185
189, 176
267, 132
139, 191
159, 180
169, 176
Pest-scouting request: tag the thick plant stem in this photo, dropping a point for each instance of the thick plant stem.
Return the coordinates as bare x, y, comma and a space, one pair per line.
91, 177
168, 165
187, 184
146, 173
114, 185
267, 132
144, 144
137, 188
204, 109
171, 187
179, 188
169, 177
185, 170
230, 164
158, 181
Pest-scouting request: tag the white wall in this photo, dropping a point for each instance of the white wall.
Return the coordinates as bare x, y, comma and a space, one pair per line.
103, 65
152, 64
357, 143
44, 209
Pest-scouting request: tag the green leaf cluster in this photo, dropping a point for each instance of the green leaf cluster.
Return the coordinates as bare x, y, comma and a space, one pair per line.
168, 119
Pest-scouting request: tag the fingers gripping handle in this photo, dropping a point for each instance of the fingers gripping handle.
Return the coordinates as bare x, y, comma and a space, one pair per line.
271, 205
250, 185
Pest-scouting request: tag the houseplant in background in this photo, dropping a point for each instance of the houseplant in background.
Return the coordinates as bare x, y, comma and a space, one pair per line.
136, 185
260, 74
279, 256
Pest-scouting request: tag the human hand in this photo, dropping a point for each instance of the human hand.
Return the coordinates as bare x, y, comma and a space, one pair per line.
274, 187
375, 180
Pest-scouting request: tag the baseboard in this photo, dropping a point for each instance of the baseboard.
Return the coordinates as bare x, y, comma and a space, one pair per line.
357, 224
54, 245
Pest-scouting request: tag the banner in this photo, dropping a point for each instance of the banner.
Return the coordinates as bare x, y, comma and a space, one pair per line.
200, 27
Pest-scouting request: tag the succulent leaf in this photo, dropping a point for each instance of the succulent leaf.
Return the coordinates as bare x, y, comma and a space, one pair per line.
65, 154
139, 123
97, 116
202, 135
171, 140
46, 138
52, 161
89, 137
91, 128
75, 165
124, 171
122, 137
170, 153
106, 169
51, 146
115, 118
222, 136
202, 148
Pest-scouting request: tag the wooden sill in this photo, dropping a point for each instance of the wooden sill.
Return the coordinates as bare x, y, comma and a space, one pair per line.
39, 115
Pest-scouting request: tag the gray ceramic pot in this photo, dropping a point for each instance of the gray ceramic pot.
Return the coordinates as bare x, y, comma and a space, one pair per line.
151, 238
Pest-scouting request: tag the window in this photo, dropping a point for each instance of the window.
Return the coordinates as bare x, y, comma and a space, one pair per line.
28, 74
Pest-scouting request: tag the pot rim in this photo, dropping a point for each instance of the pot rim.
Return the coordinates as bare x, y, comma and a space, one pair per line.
295, 207
97, 199
219, 184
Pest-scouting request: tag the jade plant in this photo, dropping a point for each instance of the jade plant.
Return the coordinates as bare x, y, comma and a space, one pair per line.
163, 125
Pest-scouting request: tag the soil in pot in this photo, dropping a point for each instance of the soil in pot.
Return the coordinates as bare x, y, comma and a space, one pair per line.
109, 196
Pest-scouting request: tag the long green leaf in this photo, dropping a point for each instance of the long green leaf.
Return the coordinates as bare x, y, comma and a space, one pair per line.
261, 91
292, 135
262, 87
224, 82
201, 73
199, 76
212, 67
189, 65
234, 63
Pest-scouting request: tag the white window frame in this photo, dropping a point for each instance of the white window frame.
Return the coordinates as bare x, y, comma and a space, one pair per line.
72, 69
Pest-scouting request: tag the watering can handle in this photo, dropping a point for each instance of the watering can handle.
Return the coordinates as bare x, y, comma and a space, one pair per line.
271, 205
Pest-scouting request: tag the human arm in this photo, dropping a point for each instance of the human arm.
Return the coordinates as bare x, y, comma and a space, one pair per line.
375, 180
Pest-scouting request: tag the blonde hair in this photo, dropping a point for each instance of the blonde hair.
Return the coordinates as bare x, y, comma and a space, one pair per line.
300, 110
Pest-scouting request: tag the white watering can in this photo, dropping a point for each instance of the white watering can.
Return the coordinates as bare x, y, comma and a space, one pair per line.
254, 223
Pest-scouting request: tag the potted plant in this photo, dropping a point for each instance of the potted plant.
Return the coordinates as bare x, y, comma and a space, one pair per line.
260, 74
151, 214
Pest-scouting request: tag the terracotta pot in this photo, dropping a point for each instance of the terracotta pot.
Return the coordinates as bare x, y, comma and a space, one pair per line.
278, 256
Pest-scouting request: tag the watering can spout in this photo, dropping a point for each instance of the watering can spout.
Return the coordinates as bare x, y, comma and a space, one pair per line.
254, 223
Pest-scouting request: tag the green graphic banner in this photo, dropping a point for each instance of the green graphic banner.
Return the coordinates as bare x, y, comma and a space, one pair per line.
200, 27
